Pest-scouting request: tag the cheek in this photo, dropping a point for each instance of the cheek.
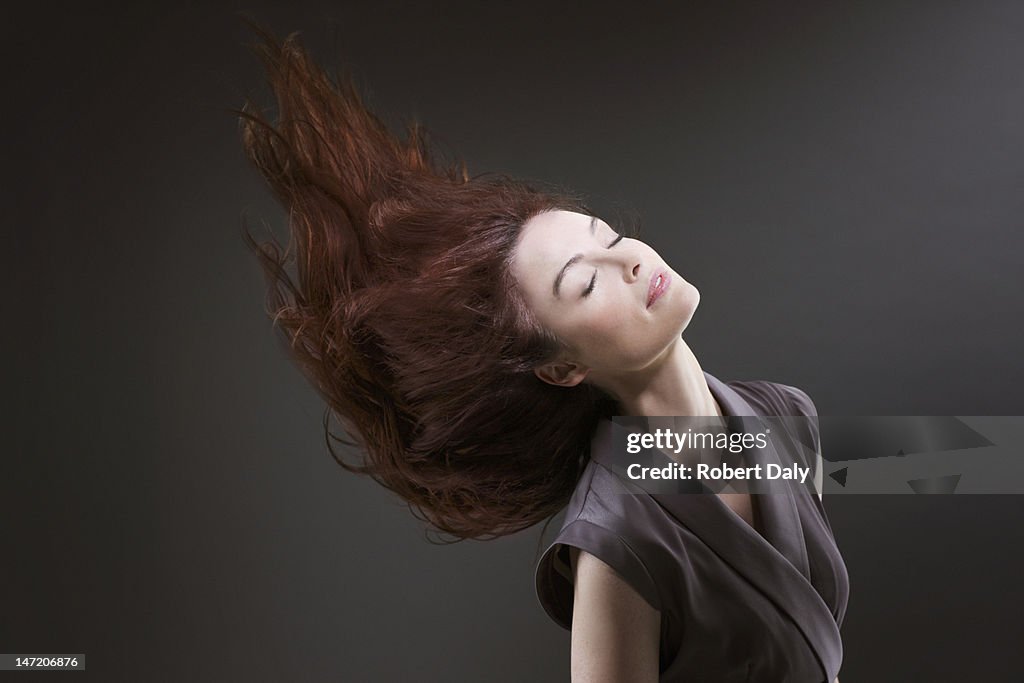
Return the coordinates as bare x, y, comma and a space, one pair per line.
612, 338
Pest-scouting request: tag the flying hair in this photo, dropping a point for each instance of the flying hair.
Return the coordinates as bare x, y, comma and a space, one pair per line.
397, 302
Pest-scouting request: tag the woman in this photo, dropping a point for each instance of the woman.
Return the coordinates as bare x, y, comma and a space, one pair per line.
474, 335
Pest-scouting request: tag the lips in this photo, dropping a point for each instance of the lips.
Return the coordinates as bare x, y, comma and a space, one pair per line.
660, 280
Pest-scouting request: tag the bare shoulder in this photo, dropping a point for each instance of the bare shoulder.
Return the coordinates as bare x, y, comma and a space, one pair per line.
615, 632
599, 580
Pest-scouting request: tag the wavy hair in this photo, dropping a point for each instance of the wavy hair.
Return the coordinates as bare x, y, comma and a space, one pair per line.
403, 312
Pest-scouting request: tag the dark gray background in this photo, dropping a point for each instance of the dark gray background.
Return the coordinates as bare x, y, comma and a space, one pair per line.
843, 185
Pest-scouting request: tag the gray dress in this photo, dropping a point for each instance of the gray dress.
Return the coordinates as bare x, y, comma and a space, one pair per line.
737, 603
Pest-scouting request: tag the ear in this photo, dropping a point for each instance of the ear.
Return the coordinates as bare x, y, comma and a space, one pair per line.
562, 373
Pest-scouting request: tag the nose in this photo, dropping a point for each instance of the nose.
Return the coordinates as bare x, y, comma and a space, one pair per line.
631, 265
626, 259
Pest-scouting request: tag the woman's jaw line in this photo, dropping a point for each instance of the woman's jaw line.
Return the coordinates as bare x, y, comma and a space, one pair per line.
672, 384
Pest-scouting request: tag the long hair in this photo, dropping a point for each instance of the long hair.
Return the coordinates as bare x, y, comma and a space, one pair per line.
404, 314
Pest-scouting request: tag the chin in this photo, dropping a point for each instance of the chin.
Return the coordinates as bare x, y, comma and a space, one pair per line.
687, 305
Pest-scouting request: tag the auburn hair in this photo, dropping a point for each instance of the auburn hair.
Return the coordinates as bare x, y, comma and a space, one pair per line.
403, 312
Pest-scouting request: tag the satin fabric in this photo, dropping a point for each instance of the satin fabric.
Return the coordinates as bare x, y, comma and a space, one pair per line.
737, 603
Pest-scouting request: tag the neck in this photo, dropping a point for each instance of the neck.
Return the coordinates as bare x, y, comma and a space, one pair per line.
674, 385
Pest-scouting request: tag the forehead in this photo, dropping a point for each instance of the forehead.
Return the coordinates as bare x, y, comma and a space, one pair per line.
545, 238
545, 243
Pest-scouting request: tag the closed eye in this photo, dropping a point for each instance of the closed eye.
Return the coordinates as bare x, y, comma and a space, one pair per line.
593, 278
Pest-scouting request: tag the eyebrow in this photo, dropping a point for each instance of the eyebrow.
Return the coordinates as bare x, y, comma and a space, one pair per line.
571, 261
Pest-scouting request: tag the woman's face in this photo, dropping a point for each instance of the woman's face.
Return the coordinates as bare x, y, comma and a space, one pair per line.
592, 288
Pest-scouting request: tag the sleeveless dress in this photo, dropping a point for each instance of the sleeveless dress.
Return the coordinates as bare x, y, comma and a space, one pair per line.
736, 603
